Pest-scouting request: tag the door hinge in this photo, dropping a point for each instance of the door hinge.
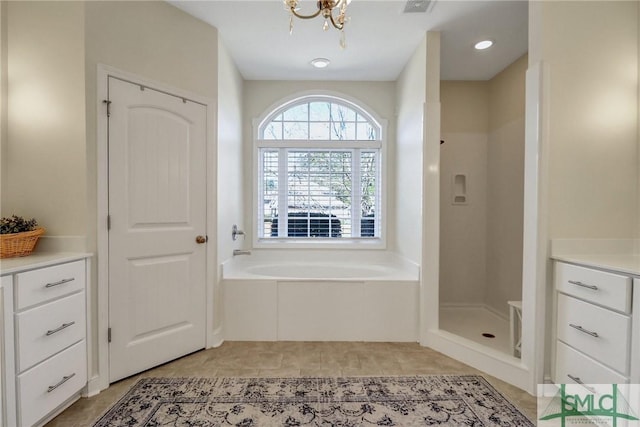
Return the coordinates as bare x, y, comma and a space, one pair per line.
108, 222
106, 101
109, 335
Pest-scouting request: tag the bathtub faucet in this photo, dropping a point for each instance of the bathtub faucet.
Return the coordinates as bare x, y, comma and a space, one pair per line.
235, 232
241, 252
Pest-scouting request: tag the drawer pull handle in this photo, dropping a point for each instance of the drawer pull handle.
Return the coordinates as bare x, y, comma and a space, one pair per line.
59, 282
62, 381
584, 285
586, 331
579, 381
59, 328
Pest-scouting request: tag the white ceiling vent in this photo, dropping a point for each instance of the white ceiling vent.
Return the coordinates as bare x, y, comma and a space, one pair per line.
418, 6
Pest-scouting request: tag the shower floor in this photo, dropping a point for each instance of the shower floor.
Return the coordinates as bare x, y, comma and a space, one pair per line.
472, 322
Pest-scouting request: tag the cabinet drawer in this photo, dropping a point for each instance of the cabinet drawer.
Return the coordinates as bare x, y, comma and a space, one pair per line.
37, 286
606, 289
599, 333
46, 386
49, 328
572, 365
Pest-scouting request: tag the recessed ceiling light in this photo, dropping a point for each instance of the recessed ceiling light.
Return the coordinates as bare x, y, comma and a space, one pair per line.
484, 44
320, 62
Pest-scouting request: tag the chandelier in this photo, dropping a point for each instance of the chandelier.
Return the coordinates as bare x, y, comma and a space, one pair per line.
325, 8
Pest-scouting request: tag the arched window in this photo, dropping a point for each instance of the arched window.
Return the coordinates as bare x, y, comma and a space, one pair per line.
319, 172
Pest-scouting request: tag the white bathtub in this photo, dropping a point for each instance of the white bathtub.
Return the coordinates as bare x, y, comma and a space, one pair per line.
314, 271
320, 296
333, 266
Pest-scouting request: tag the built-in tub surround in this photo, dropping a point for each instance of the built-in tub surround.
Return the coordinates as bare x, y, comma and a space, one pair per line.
320, 296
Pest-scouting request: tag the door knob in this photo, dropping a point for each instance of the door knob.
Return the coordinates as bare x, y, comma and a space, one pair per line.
201, 239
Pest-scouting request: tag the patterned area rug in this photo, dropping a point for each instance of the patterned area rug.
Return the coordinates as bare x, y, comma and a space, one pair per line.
360, 401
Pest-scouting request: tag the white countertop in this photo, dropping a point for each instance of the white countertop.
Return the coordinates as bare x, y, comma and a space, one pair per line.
38, 260
622, 263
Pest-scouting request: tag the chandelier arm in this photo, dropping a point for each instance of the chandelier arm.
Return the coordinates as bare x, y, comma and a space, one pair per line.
306, 16
338, 27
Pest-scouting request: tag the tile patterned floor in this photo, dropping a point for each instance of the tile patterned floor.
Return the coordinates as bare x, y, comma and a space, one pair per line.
294, 359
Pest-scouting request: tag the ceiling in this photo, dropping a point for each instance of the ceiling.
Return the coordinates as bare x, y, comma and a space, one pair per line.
380, 38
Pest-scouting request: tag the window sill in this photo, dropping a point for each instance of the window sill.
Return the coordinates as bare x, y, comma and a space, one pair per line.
313, 243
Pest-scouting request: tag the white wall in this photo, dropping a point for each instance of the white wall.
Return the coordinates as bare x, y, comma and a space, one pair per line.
417, 161
463, 228
410, 104
45, 128
505, 186
231, 164
590, 50
3, 104
430, 262
261, 96
53, 49
155, 41
588, 53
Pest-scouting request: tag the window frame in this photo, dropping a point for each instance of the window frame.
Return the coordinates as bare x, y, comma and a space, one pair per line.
379, 144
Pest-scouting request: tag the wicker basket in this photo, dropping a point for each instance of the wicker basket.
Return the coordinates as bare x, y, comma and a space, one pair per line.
19, 244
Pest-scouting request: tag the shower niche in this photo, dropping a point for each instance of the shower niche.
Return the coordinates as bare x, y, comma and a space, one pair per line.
459, 189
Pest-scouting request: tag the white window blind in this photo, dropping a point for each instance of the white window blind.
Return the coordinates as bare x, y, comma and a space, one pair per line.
319, 174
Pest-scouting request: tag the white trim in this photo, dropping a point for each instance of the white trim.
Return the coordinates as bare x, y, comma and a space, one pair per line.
317, 144
213, 337
314, 243
255, 188
288, 101
634, 373
102, 171
536, 271
7, 368
494, 362
91, 387
430, 265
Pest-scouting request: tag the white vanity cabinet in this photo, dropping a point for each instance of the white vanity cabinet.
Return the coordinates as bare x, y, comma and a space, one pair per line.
45, 360
7, 387
595, 338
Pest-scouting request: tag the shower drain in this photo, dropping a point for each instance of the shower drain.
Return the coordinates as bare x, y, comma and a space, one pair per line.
488, 335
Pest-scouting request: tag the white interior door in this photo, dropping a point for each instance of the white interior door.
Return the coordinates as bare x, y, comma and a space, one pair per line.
157, 209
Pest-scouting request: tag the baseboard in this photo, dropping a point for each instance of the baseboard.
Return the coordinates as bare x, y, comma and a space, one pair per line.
216, 338
95, 386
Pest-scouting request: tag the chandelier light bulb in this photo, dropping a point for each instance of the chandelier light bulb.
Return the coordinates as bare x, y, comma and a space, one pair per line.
325, 9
